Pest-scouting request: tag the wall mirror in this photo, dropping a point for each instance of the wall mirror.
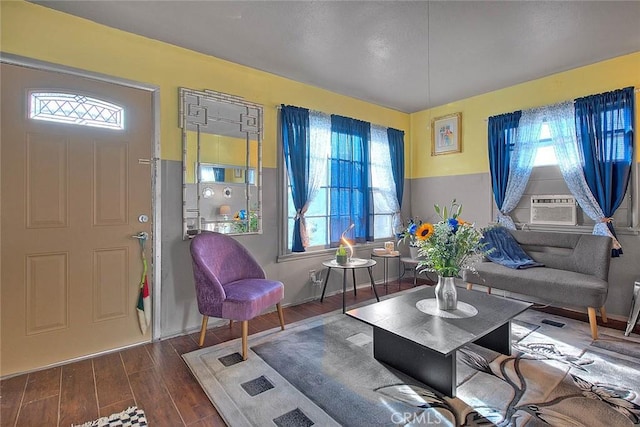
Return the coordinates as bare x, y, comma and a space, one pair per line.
221, 162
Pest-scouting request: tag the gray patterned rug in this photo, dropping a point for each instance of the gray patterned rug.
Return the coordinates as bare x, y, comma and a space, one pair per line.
321, 372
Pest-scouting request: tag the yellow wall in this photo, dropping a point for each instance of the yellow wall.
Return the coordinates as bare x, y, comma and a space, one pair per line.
219, 150
37, 32
603, 76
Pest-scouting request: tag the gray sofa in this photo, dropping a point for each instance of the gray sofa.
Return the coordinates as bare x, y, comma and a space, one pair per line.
575, 273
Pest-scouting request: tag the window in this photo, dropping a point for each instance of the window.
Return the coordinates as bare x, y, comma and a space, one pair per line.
616, 150
382, 183
75, 109
574, 147
381, 188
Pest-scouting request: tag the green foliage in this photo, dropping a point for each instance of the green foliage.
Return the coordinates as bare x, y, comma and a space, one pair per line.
245, 225
455, 208
341, 251
452, 246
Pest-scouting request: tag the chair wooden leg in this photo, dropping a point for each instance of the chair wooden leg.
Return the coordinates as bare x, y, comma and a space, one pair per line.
603, 314
203, 330
488, 291
469, 286
245, 334
230, 323
280, 315
593, 322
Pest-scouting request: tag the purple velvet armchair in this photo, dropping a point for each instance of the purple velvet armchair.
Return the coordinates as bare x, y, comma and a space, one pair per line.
230, 284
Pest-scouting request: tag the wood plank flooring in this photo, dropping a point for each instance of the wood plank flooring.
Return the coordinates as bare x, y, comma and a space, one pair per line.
151, 376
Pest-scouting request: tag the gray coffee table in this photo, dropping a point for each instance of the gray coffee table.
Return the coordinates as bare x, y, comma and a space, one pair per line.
424, 345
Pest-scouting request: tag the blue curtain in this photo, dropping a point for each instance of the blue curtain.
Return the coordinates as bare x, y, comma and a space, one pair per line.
604, 125
502, 137
350, 197
396, 149
295, 142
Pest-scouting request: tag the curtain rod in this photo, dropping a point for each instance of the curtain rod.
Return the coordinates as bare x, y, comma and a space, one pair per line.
636, 90
279, 106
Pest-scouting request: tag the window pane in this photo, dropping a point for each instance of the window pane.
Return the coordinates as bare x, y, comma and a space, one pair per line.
319, 204
291, 209
384, 191
545, 132
545, 156
290, 232
317, 229
382, 226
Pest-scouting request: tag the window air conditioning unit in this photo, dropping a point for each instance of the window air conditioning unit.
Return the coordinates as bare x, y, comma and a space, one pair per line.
553, 210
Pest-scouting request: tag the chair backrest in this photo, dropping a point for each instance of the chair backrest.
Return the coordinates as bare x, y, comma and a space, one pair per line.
219, 259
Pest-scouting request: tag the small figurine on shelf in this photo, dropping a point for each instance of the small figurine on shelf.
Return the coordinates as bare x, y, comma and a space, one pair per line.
341, 255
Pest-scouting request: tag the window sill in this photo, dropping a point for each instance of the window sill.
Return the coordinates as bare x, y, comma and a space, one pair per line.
575, 229
359, 251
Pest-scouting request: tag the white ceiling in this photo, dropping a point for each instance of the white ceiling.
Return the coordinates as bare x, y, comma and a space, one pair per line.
403, 55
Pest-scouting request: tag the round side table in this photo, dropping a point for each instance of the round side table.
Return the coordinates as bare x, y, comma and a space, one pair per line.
385, 265
353, 265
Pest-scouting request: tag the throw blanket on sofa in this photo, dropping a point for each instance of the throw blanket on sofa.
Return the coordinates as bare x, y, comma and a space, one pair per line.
504, 250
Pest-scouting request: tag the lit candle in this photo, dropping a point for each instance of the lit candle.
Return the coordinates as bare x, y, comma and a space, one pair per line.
346, 242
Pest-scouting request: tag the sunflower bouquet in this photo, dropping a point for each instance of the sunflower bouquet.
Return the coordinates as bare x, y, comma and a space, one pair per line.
449, 245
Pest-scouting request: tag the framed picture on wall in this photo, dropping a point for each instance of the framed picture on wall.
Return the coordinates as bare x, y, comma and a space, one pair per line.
446, 134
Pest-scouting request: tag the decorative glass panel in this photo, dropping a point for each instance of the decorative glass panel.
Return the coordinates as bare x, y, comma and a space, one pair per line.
75, 109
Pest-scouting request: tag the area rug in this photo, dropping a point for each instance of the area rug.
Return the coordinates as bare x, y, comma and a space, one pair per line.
131, 417
321, 371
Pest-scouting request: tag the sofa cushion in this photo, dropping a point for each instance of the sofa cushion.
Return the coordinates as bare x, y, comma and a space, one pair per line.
548, 284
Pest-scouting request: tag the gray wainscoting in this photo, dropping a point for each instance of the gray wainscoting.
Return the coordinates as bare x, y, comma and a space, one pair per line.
179, 308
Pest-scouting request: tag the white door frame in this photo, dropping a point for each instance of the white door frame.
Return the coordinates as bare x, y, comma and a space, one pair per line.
156, 198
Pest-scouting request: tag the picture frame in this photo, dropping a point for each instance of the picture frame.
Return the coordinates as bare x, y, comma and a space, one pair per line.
446, 134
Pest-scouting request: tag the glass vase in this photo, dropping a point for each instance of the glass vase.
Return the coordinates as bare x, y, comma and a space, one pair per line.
446, 294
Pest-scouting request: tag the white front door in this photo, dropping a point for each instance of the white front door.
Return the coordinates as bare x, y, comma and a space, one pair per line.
71, 198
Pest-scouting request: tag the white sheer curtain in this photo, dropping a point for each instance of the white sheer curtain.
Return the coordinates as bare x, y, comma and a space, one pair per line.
561, 121
522, 158
384, 195
319, 148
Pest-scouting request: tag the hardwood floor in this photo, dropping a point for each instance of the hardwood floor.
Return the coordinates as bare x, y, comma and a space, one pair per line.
151, 376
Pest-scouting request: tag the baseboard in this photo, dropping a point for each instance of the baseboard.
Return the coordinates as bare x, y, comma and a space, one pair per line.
613, 322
